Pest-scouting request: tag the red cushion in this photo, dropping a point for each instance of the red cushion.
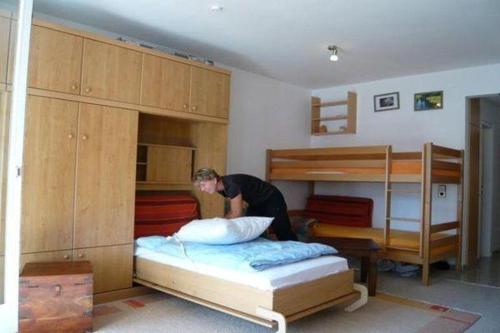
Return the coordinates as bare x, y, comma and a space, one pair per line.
340, 210
163, 214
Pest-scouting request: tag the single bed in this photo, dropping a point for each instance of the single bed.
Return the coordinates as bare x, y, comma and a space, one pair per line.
273, 297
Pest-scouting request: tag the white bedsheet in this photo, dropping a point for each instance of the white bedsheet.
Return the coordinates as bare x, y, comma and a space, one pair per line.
269, 279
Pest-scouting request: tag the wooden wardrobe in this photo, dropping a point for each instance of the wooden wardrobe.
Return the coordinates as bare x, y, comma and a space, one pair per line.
93, 104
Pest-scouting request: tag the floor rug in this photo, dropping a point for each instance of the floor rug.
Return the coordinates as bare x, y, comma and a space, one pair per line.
384, 313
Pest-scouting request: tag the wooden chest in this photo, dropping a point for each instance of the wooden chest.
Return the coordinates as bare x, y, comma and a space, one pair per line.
56, 297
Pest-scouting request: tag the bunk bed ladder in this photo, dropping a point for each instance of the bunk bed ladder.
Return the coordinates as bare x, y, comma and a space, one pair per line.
388, 196
425, 231
388, 207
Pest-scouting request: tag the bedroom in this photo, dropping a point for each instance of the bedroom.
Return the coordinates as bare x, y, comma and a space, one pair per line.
268, 74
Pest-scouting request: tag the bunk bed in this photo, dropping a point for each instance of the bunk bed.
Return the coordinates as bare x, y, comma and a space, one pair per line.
433, 165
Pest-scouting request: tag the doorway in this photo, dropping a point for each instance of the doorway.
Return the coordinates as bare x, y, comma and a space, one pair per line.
483, 146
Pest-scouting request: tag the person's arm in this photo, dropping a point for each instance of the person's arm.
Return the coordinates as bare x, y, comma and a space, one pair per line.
236, 207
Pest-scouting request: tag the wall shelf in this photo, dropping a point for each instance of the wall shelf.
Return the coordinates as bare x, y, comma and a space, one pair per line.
318, 117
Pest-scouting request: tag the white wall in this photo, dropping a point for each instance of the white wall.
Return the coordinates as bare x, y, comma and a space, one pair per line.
490, 113
406, 129
266, 114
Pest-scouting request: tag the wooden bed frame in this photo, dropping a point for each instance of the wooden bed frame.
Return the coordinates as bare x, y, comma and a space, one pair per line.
434, 164
267, 308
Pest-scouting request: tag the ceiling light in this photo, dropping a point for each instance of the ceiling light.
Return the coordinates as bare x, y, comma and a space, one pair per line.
216, 8
334, 56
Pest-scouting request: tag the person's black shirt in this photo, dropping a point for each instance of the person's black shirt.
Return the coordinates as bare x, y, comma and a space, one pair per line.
253, 190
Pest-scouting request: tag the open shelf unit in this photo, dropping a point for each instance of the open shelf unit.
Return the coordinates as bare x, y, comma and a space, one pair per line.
166, 165
318, 117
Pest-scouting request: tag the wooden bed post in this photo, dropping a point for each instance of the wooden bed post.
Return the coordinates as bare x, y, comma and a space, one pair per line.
388, 196
427, 158
458, 260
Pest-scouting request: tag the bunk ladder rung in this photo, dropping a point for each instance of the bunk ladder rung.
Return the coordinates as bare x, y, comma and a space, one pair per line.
401, 248
406, 219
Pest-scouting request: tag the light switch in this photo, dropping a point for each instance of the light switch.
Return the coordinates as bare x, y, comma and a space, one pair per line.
441, 191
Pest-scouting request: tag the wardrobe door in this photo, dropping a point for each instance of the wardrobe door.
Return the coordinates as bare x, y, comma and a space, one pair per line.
165, 83
48, 174
4, 46
112, 266
111, 72
105, 183
209, 92
55, 60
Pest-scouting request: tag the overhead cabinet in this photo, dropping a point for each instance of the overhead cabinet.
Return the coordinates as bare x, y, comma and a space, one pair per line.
111, 72
173, 85
55, 60
165, 83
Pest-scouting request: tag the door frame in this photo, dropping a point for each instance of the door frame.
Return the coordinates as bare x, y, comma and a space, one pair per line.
472, 180
485, 190
9, 309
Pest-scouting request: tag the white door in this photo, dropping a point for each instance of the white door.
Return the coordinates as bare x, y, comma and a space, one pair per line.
12, 105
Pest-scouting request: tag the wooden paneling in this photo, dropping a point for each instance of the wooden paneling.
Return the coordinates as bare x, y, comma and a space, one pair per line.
111, 265
209, 93
49, 173
211, 142
4, 47
169, 164
2, 278
105, 176
45, 257
55, 60
111, 72
165, 83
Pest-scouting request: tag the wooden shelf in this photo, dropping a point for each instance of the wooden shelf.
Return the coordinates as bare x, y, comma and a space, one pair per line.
331, 118
331, 133
317, 128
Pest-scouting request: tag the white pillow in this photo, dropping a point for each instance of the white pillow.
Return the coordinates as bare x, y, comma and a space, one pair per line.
220, 231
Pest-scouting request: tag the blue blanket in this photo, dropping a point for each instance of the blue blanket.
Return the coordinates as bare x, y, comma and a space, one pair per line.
256, 255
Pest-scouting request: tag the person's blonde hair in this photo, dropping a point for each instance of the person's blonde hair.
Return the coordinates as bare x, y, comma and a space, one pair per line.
205, 174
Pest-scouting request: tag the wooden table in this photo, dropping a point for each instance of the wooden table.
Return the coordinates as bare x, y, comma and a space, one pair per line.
366, 249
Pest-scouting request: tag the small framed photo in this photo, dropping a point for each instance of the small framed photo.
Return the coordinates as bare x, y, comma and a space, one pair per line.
432, 100
386, 102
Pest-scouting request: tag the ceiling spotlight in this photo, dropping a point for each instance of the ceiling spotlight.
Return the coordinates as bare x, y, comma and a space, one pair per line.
334, 49
216, 8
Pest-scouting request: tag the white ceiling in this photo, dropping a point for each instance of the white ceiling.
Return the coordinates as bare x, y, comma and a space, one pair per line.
287, 39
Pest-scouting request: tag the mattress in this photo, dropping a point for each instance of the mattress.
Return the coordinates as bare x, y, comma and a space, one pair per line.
268, 280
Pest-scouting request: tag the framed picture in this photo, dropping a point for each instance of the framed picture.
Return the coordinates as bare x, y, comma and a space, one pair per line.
432, 100
386, 102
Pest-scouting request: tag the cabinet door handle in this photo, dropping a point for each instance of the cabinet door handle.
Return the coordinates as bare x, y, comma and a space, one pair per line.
74, 86
194, 108
84, 137
66, 256
185, 106
70, 136
81, 255
88, 89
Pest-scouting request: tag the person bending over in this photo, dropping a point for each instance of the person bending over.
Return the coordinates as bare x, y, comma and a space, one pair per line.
263, 198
